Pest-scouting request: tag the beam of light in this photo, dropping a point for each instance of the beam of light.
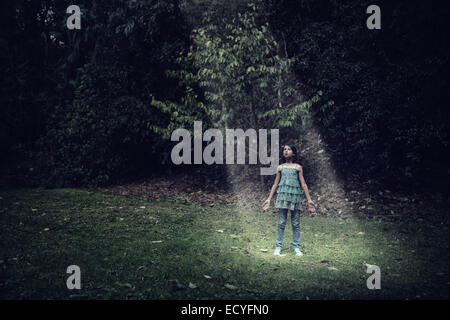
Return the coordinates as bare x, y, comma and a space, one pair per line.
327, 191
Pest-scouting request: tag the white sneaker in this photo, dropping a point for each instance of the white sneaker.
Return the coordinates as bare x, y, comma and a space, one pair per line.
297, 252
277, 252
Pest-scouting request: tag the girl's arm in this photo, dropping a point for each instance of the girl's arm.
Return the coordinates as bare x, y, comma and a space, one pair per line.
275, 184
266, 203
303, 182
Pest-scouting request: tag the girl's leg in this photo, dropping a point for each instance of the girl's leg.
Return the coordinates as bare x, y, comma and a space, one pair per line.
282, 217
295, 220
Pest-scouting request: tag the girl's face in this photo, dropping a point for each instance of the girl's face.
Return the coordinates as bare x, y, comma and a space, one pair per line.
287, 152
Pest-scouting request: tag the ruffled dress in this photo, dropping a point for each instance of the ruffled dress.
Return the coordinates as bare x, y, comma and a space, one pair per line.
289, 191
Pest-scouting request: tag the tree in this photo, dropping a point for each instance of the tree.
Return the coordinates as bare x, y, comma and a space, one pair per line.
245, 82
104, 129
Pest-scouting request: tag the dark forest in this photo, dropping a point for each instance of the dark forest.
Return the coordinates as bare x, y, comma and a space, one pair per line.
86, 119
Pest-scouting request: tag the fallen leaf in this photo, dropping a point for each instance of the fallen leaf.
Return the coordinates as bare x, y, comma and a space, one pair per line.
207, 277
192, 285
221, 231
34, 209
127, 285
332, 268
121, 219
142, 207
46, 229
360, 232
264, 250
230, 286
157, 241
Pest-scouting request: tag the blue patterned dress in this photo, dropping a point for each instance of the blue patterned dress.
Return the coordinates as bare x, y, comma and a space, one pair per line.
289, 191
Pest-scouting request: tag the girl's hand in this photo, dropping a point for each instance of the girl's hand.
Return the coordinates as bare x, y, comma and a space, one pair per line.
266, 204
312, 207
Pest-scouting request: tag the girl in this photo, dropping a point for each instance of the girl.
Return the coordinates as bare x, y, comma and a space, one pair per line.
289, 198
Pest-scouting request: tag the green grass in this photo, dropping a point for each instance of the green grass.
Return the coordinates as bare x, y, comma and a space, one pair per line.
134, 249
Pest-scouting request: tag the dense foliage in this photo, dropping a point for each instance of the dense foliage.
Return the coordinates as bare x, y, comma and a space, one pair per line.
98, 104
389, 87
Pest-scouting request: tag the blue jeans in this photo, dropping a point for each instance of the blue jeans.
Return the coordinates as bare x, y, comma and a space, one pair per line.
295, 221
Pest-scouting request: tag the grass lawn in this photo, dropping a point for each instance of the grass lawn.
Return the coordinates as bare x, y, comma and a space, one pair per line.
174, 249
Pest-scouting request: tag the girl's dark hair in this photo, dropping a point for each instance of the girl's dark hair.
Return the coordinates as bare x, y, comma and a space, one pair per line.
294, 150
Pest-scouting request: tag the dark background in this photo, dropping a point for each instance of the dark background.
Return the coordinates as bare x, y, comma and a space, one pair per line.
77, 108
